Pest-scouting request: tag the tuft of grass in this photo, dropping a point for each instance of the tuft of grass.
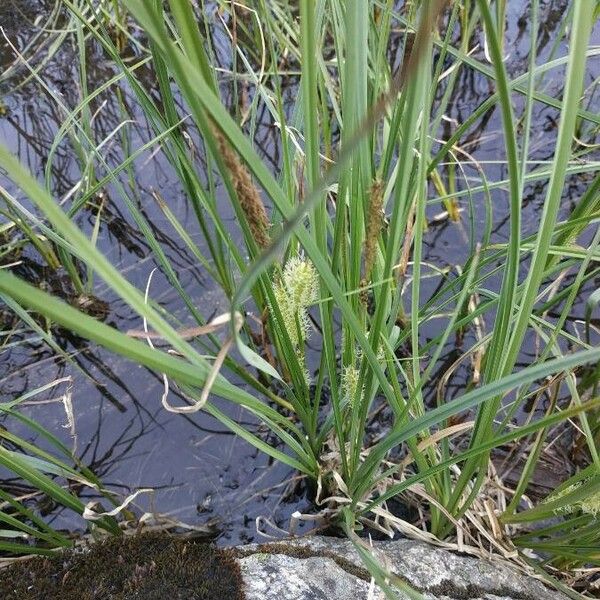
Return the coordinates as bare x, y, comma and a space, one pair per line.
49, 473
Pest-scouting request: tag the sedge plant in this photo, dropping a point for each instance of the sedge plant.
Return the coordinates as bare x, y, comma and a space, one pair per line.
330, 246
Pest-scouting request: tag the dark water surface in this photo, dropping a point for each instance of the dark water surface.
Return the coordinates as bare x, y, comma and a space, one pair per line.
201, 472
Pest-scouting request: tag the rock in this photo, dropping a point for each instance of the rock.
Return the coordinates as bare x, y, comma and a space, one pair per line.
279, 577
159, 567
319, 568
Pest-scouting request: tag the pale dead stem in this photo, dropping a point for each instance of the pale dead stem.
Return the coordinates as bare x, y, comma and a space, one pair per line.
217, 323
402, 265
475, 353
91, 515
478, 354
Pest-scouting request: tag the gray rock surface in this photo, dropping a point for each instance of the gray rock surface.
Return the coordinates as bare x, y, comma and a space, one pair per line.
319, 568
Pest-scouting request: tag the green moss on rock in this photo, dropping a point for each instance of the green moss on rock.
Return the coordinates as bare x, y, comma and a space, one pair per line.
147, 566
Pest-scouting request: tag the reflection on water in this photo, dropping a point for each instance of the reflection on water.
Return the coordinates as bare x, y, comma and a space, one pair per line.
199, 470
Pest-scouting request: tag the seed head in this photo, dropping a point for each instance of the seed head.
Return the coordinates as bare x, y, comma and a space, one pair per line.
295, 292
301, 281
247, 193
591, 504
349, 385
374, 226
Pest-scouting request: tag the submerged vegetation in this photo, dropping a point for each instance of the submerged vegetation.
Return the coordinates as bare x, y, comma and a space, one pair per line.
336, 312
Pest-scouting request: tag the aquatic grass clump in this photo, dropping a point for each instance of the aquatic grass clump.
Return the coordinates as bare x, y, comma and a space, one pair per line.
364, 164
47, 473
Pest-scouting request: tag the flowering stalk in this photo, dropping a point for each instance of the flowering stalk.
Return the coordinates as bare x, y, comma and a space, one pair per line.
297, 289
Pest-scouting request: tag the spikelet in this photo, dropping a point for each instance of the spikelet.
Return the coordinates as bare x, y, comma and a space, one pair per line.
295, 292
247, 193
380, 350
297, 289
374, 225
301, 281
349, 385
591, 504
287, 314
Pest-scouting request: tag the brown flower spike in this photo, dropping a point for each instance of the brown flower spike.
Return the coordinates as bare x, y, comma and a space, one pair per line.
247, 192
